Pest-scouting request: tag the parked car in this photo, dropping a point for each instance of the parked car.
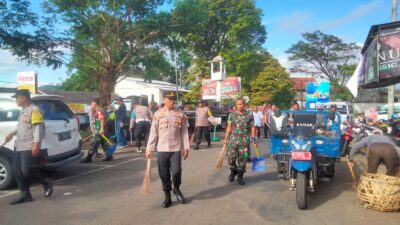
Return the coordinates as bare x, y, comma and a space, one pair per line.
345, 109
383, 111
62, 143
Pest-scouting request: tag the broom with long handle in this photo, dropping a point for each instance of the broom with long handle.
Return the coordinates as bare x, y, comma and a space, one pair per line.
353, 175
147, 179
220, 159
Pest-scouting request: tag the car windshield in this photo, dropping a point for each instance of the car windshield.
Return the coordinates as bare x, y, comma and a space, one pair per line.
54, 109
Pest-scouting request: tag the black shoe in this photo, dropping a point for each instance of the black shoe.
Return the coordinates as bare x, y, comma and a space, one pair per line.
87, 159
48, 190
179, 196
231, 177
197, 147
209, 145
240, 178
22, 199
108, 158
167, 201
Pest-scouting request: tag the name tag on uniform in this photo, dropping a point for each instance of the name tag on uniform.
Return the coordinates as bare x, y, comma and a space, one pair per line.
163, 122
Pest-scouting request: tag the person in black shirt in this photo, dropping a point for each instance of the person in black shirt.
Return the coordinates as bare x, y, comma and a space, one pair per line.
119, 123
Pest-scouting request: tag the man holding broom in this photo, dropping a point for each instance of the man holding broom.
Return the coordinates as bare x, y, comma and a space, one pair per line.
237, 139
97, 126
169, 136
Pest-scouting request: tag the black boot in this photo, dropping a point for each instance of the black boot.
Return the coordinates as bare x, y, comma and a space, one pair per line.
88, 158
24, 197
197, 147
209, 144
108, 158
179, 196
167, 201
240, 178
231, 177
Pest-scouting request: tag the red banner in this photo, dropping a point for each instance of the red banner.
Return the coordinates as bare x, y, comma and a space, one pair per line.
231, 88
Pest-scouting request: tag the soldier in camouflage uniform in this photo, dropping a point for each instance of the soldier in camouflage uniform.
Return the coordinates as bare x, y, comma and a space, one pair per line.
97, 124
237, 139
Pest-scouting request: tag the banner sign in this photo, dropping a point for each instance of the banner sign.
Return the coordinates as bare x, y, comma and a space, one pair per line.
27, 80
209, 89
317, 93
231, 87
382, 57
77, 107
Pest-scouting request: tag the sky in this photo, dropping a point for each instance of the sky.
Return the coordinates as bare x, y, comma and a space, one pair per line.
285, 21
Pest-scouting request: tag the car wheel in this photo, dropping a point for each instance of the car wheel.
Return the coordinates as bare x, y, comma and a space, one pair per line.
6, 174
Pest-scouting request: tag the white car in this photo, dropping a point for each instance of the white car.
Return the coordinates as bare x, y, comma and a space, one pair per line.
345, 109
62, 143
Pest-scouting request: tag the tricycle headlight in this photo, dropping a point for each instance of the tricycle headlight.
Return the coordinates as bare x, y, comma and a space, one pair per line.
319, 142
285, 141
295, 145
306, 146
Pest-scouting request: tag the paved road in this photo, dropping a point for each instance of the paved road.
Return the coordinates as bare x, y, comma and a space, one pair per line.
109, 193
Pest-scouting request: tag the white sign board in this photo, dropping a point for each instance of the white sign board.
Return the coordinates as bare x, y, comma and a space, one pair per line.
27, 80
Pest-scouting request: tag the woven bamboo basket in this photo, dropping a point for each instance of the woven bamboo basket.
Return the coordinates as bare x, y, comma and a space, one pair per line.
379, 192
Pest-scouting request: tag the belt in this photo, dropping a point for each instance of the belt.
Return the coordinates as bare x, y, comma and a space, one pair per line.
141, 120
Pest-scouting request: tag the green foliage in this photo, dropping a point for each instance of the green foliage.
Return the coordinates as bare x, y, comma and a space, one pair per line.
272, 85
341, 92
28, 36
323, 56
230, 28
80, 82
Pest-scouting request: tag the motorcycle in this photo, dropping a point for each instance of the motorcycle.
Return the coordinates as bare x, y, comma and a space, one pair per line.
346, 138
310, 154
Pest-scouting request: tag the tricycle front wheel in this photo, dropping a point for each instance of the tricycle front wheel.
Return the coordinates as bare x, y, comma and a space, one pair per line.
301, 190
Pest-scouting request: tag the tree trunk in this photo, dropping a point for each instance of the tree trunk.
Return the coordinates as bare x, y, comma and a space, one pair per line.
106, 86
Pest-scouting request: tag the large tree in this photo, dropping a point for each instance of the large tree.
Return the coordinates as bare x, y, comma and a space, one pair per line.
272, 85
323, 56
109, 34
230, 28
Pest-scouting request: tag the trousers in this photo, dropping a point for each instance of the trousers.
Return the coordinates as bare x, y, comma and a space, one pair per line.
26, 169
142, 128
119, 133
266, 131
96, 141
199, 133
383, 152
170, 164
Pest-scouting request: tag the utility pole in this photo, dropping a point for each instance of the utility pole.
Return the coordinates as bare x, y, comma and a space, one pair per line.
391, 87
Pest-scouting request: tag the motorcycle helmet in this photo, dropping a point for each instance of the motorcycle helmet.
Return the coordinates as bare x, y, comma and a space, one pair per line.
395, 116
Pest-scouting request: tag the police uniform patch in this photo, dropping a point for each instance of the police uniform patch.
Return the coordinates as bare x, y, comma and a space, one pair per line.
36, 117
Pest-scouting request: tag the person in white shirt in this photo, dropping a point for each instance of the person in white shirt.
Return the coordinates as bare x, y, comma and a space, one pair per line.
258, 120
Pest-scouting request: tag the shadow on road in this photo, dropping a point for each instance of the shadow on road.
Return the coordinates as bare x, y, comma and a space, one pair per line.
228, 188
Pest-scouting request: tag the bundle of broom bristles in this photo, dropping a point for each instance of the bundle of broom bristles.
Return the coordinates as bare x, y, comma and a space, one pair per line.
220, 160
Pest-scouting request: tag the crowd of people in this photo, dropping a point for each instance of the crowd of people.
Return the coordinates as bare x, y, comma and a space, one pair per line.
165, 130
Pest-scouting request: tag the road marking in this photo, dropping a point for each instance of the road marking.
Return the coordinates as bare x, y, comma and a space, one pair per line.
13, 192
96, 170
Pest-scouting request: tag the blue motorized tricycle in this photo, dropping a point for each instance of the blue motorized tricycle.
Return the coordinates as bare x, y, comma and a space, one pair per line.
305, 145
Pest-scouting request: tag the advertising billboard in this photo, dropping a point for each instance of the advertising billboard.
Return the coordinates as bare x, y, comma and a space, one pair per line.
317, 93
231, 87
